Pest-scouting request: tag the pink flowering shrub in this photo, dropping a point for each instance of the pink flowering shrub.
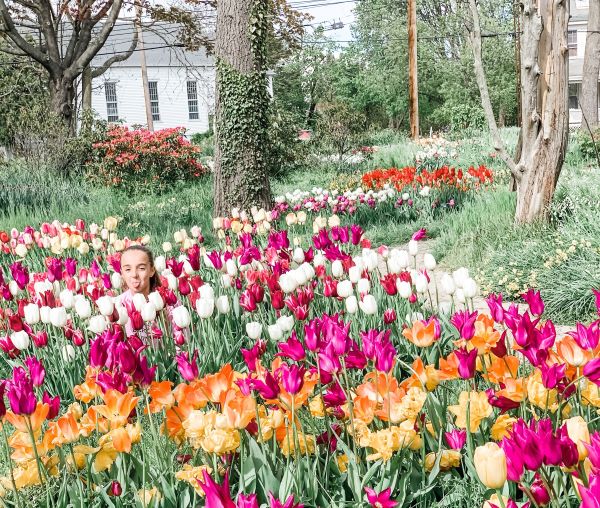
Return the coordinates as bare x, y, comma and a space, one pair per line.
144, 160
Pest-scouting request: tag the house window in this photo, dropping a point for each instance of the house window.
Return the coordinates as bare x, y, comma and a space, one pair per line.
192, 94
110, 92
572, 40
574, 91
153, 91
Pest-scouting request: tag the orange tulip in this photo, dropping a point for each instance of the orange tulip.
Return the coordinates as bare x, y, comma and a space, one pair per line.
217, 385
421, 335
117, 407
240, 410
501, 369
486, 337
570, 352
162, 397
66, 430
37, 418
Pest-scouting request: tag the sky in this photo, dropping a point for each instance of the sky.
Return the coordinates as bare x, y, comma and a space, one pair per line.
327, 14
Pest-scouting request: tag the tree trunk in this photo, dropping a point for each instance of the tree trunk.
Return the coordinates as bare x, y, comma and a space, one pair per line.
545, 120
62, 95
242, 104
591, 67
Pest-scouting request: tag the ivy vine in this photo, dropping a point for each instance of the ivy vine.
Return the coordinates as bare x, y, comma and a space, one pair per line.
244, 123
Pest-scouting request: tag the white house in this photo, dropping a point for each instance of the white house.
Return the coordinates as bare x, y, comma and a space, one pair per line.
180, 82
577, 37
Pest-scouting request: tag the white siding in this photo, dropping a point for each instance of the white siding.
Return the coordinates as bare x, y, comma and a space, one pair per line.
172, 96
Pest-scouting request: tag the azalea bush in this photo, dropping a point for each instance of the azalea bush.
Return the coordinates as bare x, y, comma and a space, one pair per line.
283, 369
144, 160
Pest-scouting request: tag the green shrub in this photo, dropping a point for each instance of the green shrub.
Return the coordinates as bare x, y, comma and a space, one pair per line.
141, 160
589, 144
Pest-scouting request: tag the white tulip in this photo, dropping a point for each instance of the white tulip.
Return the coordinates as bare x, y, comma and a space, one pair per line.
429, 261
405, 196
413, 247
460, 295
167, 247
181, 317
32, 314
337, 269
123, 315
45, 314
286, 323
13, 287
298, 255
308, 270
42, 286
20, 340
287, 282
393, 265
460, 276
254, 330
160, 264
299, 276
363, 286
351, 304
226, 281
205, 307
425, 191
21, 250
105, 305
448, 284
421, 283
404, 288
139, 300
470, 288
157, 300
207, 291
403, 258
83, 249
171, 281
66, 298
370, 259
231, 268
187, 268
116, 280
68, 352
148, 312
275, 332
223, 304
354, 274
344, 288
368, 305
97, 324
319, 260
58, 317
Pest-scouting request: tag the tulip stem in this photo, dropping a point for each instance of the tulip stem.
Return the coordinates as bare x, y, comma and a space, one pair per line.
12, 475
41, 470
500, 498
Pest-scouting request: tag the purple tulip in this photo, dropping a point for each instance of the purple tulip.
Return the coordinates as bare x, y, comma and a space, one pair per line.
464, 322
456, 438
36, 370
20, 393
535, 302
292, 378
187, 368
467, 360
292, 349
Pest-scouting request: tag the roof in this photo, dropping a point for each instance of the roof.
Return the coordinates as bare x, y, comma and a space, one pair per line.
160, 39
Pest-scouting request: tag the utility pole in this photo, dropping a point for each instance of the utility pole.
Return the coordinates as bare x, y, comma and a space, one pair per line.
413, 86
149, 121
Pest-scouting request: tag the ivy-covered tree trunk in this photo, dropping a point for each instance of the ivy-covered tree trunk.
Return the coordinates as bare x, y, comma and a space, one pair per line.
242, 102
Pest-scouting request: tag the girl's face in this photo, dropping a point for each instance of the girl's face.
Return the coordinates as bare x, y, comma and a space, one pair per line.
137, 271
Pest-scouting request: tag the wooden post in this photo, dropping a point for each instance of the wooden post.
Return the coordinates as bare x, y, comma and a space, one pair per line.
413, 86
140, 47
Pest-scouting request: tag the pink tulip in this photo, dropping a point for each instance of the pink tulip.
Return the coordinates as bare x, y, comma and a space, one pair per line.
216, 496
464, 322
292, 349
467, 361
535, 302
456, 439
381, 500
188, 368
292, 378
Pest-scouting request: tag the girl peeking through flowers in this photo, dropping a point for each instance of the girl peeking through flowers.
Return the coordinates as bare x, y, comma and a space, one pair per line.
142, 298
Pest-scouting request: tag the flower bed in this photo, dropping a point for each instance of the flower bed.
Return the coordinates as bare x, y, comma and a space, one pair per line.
291, 373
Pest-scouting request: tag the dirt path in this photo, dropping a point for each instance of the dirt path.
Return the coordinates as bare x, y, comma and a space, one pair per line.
426, 246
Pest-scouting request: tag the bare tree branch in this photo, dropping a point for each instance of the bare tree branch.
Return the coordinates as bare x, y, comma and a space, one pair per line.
98, 71
475, 40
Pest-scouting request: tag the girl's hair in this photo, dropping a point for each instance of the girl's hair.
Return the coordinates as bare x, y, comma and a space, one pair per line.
155, 279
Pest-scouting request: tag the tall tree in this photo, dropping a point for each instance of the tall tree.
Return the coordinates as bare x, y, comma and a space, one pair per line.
241, 106
544, 96
591, 67
63, 37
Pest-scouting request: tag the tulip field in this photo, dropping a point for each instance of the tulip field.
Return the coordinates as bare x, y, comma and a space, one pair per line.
295, 363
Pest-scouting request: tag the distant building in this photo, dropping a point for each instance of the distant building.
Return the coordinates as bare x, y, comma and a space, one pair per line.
181, 83
576, 38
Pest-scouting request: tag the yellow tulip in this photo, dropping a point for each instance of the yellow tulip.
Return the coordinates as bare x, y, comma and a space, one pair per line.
579, 433
490, 464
